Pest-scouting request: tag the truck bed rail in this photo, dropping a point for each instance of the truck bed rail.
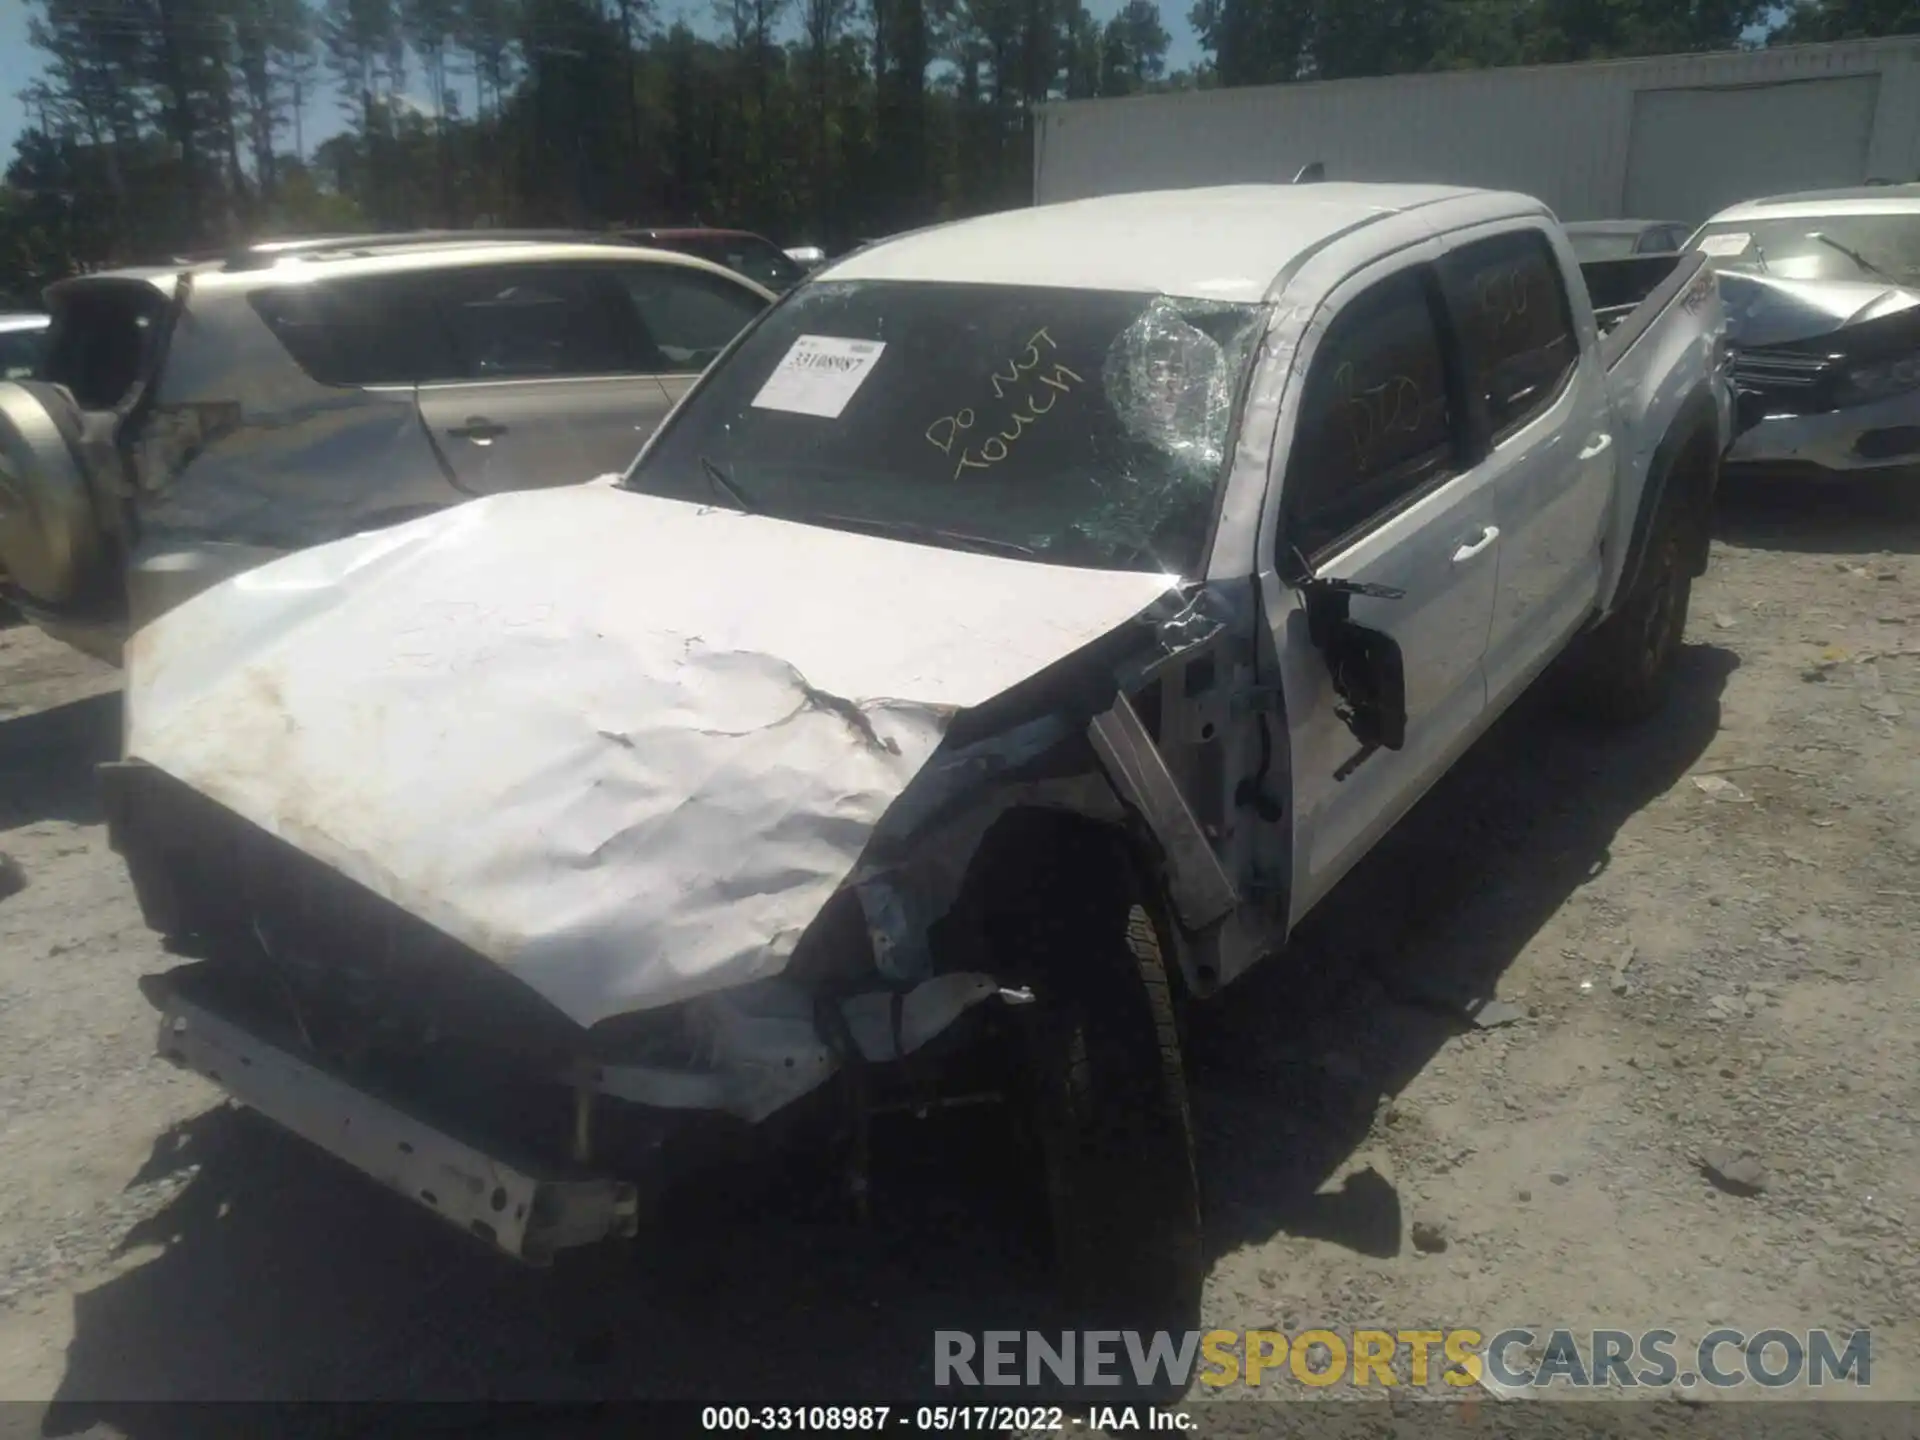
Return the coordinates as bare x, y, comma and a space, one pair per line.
1629, 295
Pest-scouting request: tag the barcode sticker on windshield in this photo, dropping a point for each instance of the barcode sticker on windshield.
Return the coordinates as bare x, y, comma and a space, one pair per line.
819, 375
1733, 243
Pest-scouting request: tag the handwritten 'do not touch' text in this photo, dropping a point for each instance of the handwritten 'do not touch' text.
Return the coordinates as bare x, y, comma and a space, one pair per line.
957, 429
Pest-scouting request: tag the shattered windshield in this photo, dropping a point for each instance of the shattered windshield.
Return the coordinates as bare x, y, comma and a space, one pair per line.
1883, 248
1081, 427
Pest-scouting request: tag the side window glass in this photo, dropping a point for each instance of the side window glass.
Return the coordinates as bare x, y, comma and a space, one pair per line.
519, 322
688, 315
356, 332
20, 353
1376, 423
1516, 329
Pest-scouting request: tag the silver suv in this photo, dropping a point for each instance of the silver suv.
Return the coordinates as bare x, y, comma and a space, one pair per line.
190, 422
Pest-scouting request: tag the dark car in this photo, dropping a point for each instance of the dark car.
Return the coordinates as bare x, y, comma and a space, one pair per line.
1618, 239
741, 251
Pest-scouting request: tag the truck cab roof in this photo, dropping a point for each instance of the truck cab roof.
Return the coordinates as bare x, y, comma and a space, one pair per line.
1235, 243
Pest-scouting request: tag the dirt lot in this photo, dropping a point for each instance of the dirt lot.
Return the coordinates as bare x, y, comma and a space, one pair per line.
1705, 930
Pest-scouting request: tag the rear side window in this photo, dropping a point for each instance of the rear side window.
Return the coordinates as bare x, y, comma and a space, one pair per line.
1376, 421
688, 316
375, 331
1516, 333
518, 322
20, 353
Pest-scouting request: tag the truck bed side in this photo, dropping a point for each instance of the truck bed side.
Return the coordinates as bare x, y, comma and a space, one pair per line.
1661, 324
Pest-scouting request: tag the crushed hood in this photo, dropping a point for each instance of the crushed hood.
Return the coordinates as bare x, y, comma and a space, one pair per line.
625, 747
1764, 310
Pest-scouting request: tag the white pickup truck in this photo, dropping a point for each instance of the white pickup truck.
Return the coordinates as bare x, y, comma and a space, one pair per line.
1007, 641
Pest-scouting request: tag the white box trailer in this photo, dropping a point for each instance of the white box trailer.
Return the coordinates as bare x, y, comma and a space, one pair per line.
1674, 137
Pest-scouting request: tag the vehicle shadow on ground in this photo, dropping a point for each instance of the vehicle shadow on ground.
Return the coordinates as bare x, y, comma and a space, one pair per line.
1859, 515
1292, 1073
47, 759
281, 1275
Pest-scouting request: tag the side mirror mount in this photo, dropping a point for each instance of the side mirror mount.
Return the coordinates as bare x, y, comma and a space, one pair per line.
1368, 673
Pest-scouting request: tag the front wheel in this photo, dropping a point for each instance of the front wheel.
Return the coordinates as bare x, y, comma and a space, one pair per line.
1109, 1100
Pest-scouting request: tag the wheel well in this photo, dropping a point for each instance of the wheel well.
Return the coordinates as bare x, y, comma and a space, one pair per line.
1695, 477
1032, 847
1684, 473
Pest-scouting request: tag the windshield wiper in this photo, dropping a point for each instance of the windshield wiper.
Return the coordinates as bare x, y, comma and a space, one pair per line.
959, 539
1854, 255
717, 478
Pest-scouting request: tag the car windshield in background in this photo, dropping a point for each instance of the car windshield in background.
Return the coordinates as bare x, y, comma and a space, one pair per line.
1082, 427
759, 260
1591, 245
1883, 248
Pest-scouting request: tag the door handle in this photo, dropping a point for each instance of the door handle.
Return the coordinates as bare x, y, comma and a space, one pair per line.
478, 429
1596, 446
1475, 546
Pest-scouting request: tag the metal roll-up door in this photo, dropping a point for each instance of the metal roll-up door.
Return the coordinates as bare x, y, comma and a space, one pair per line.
1696, 151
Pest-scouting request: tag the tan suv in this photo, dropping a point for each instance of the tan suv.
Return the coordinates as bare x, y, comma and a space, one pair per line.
192, 421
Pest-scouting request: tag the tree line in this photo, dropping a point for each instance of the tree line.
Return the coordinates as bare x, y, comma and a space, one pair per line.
160, 127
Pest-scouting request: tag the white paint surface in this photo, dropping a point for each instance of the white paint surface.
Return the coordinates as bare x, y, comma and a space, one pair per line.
626, 747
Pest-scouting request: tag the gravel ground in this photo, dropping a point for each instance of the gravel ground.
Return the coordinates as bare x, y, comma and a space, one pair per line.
1703, 930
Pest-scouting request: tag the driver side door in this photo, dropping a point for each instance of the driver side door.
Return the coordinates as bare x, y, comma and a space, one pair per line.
1380, 488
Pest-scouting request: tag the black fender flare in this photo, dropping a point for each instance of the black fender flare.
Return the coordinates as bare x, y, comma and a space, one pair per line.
1669, 483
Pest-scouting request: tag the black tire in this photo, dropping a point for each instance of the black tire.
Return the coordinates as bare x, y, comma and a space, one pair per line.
1107, 1089
1623, 670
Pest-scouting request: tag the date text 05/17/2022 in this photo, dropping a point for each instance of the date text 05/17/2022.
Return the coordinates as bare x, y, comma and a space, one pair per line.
938, 1419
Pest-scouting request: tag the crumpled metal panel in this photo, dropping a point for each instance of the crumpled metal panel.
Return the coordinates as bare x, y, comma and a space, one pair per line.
762, 1046
623, 746
1764, 310
244, 447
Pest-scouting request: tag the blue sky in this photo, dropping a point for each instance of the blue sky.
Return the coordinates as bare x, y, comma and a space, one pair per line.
20, 63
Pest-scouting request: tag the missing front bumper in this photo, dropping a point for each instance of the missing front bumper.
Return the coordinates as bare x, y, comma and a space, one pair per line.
521, 1209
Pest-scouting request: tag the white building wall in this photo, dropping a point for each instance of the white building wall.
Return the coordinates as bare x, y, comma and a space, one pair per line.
1564, 132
